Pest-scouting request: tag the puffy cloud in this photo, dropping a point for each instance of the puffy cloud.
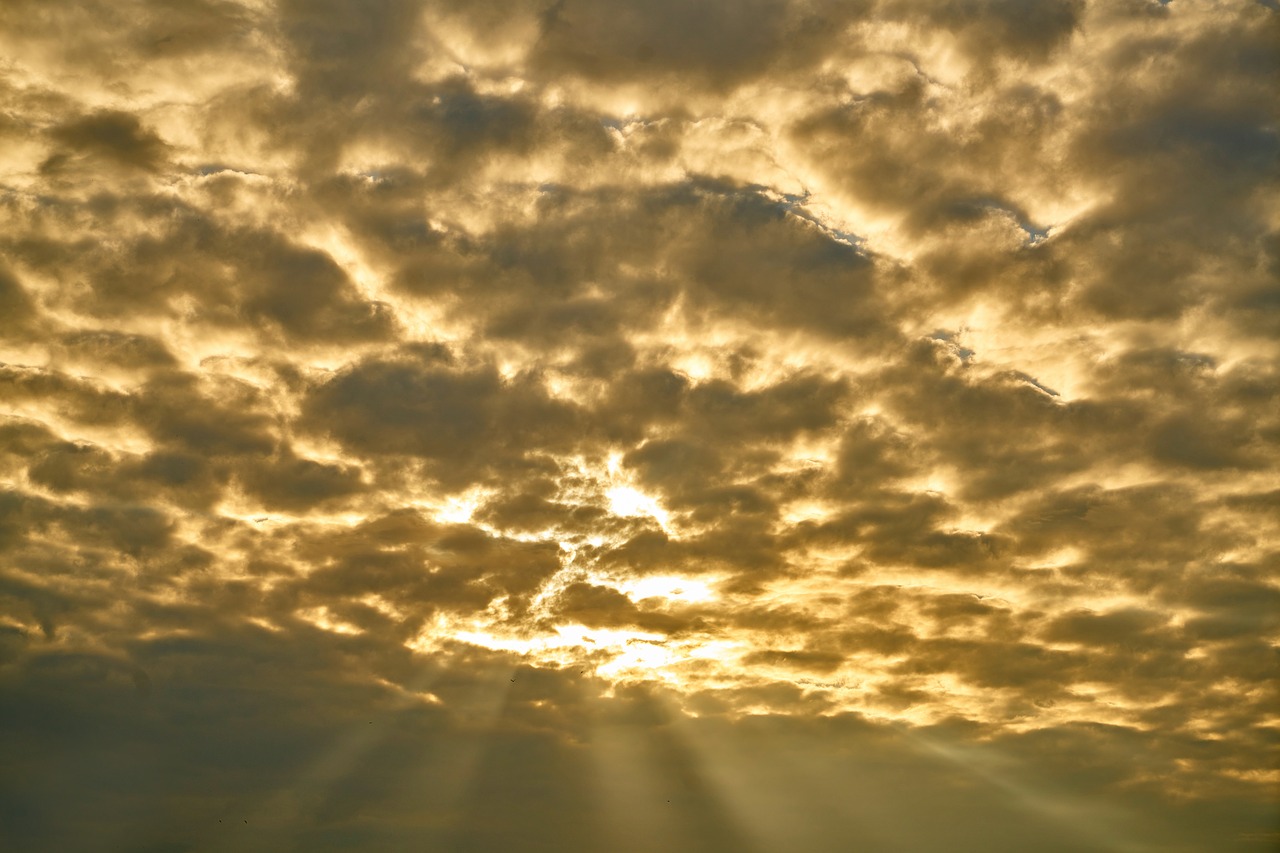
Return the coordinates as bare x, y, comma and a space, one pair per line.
115, 137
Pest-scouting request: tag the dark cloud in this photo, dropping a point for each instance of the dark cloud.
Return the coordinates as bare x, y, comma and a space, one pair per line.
80, 399
604, 607
294, 484
463, 420
608, 41
572, 277
15, 301
118, 138
997, 29
341, 49
107, 347
209, 418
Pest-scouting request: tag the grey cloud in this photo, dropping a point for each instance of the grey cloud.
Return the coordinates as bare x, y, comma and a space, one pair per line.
729, 250
894, 127
361, 60
997, 29
717, 42
813, 661
1137, 525
1210, 146
125, 350
797, 404
835, 295
690, 468
292, 483
214, 418
118, 138
309, 296
228, 275
1006, 432
604, 607
871, 454
1022, 665
1207, 146
1117, 628
741, 547
77, 398
342, 49
1231, 606
175, 28
15, 302
459, 418
420, 566
131, 529
897, 528
38, 603
20, 440
1186, 439
114, 38
534, 511
69, 466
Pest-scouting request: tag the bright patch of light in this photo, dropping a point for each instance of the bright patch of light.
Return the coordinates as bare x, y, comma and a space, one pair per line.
343, 250
246, 513
719, 650
322, 618
380, 604
565, 636
629, 502
602, 637
638, 655
1062, 557
671, 587
695, 365
519, 645
457, 510
806, 511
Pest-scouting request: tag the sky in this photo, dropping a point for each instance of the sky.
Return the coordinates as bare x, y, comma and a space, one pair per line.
723, 426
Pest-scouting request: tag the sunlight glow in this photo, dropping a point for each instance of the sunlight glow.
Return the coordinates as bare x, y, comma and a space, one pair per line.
457, 510
565, 636
322, 618
640, 655
673, 587
629, 502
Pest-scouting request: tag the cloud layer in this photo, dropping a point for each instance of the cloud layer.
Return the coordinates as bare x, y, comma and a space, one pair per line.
692, 426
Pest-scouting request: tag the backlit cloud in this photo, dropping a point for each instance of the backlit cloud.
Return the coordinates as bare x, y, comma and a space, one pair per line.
600, 425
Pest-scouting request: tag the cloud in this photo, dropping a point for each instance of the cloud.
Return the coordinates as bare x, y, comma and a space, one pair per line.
613, 41
459, 419
116, 137
595, 425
